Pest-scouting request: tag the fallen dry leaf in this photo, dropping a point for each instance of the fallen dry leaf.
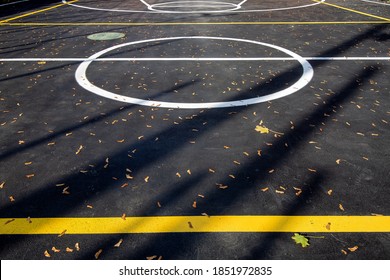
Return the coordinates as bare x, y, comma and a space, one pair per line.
341, 207
151, 257
62, 233
221, 186
194, 204
118, 244
47, 255
353, 249
123, 216
77, 246
2, 185
55, 250
97, 254
69, 250
79, 149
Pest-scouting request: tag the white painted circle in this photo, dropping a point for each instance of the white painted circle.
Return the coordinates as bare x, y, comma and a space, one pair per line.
376, 2
239, 8
81, 78
205, 7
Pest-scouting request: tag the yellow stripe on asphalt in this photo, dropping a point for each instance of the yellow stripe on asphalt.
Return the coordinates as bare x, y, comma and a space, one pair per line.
352, 10
36, 12
189, 23
177, 224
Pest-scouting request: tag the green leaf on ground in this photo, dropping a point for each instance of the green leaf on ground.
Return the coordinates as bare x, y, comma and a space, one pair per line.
300, 239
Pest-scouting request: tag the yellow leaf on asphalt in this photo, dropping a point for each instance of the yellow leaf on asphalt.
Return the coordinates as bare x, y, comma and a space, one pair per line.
47, 255
55, 250
262, 129
353, 249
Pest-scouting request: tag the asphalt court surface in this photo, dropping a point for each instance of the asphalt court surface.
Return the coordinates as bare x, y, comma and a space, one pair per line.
208, 130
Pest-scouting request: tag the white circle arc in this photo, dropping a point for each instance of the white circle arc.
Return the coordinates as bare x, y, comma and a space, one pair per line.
82, 80
237, 9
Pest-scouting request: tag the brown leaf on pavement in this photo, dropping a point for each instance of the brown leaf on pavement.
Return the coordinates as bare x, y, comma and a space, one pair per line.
97, 254
118, 244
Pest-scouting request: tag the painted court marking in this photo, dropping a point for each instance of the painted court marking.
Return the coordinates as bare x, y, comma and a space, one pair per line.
36, 12
192, 23
169, 224
192, 224
13, 3
151, 8
352, 10
134, 59
376, 2
82, 79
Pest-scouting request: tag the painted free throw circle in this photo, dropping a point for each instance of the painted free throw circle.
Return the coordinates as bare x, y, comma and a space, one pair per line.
82, 80
105, 36
203, 6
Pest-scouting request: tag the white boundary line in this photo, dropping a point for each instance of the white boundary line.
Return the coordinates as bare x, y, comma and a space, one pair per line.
12, 3
375, 2
134, 59
152, 10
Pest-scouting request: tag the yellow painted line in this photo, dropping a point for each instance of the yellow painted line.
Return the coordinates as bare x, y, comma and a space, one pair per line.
188, 23
36, 12
352, 10
177, 224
